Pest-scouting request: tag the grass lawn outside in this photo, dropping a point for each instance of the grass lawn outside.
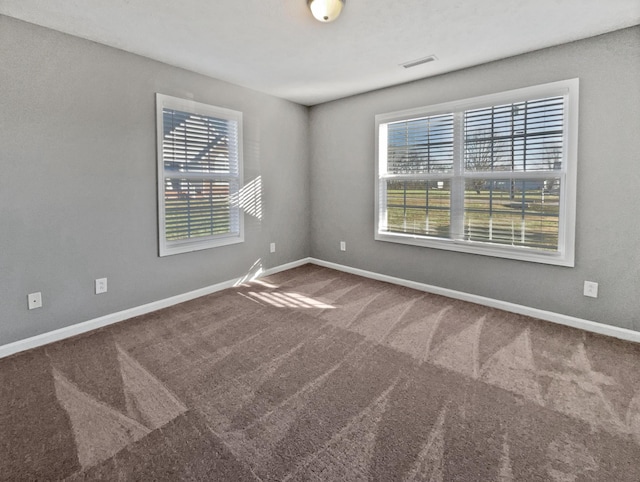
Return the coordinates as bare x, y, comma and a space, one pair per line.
530, 218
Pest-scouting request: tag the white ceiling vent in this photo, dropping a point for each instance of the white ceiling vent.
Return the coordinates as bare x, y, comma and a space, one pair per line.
424, 60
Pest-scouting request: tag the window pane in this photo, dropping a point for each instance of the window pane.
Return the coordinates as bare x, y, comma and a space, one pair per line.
196, 143
518, 137
420, 145
513, 212
195, 209
419, 207
200, 167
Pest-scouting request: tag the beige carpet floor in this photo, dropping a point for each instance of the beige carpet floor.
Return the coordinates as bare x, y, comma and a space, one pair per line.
314, 374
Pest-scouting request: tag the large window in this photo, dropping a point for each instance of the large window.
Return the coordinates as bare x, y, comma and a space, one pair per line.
492, 175
199, 175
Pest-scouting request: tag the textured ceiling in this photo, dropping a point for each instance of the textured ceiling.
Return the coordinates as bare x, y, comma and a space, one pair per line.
275, 46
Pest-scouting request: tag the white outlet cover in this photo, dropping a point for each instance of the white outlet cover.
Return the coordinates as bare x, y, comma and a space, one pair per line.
591, 289
272, 247
34, 300
343, 246
101, 285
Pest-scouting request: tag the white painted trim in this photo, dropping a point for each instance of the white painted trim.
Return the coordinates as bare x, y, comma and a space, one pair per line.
284, 267
586, 325
94, 324
86, 326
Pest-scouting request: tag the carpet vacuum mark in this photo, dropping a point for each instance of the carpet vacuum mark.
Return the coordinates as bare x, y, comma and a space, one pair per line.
313, 374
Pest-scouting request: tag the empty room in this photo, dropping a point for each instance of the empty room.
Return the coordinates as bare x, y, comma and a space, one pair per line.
330, 240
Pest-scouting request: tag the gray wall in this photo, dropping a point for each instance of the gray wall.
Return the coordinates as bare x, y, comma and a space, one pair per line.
78, 180
608, 212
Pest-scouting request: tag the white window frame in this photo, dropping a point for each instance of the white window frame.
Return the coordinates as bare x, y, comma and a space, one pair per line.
170, 247
565, 255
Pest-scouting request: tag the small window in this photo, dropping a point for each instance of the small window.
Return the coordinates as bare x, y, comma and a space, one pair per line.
199, 175
492, 175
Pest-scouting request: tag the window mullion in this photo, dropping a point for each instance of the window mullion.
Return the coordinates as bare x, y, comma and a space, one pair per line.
456, 229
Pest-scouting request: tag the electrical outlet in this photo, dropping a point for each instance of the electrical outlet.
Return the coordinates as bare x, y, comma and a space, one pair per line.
34, 300
343, 246
101, 286
591, 289
272, 248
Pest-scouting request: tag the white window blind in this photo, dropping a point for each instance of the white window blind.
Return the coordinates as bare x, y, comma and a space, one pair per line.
421, 145
199, 175
493, 175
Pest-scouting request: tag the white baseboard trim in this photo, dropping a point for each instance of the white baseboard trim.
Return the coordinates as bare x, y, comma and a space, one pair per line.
284, 267
586, 325
86, 326
110, 319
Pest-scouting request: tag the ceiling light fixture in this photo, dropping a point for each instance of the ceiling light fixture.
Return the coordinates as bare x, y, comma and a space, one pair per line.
326, 10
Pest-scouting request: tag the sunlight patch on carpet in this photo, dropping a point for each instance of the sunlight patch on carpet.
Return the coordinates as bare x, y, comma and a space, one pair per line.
288, 300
